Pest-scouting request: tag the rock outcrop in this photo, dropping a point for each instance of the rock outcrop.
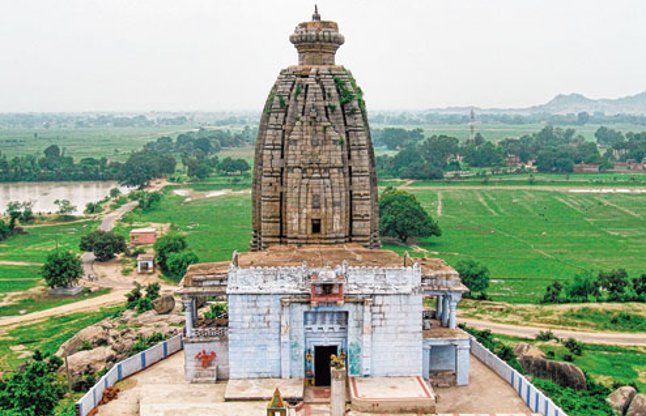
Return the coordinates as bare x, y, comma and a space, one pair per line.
562, 373
620, 399
164, 304
113, 339
637, 405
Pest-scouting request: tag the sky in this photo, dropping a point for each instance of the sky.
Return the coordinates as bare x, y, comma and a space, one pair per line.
219, 55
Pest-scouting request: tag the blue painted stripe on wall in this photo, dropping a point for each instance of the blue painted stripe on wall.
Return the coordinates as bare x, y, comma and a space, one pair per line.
165, 348
143, 360
119, 372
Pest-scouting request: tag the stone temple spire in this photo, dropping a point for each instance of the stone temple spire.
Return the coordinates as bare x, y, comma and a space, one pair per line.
316, 41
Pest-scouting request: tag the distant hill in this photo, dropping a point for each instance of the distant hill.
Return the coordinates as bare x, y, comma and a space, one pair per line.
568, 104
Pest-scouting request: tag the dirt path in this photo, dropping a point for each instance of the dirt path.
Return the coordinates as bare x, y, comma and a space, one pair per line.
439, 204
607, 338
18, 263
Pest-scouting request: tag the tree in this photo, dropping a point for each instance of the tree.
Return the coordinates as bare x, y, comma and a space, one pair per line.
474, 275
104, 244
93, 208
614, 282
143, 166
34, 391
639, 285
62, 268
582, 287
609, 137
553, 292
167, 244
177, 263
64, 206
402, 216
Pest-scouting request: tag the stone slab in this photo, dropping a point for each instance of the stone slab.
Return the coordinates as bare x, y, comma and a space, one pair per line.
391, 395
262, 389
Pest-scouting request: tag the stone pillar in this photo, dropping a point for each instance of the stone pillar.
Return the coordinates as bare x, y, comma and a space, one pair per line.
426, 361
438, 308
337, 391
188, 315
366, 340
462, 364
453, 313
284, 339
445, 311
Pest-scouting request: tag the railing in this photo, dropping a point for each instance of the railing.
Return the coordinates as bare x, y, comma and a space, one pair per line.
126, 368
210, 332
533, 397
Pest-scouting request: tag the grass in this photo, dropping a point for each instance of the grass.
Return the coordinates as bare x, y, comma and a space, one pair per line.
34, 245
528, 238
46, 301
620, 317
605, 363
215, 227
112, 142
46, 335
18, 278
578, 180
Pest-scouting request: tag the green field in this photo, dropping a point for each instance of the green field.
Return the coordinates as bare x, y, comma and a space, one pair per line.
527, 238
47, 336
114, 143
530, 238
26, 251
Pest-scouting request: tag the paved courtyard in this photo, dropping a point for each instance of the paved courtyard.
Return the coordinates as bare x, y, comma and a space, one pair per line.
161, 391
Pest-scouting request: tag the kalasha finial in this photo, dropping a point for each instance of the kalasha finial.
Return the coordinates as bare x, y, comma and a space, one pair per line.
316, 16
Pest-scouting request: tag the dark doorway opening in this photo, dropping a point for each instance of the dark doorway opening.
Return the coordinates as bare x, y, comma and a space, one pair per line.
316, 226
322, 364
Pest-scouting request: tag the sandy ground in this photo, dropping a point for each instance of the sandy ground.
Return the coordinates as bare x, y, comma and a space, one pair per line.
191, 195
161, 391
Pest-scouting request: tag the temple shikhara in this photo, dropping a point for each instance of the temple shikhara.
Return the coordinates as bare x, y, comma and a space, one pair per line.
315, 282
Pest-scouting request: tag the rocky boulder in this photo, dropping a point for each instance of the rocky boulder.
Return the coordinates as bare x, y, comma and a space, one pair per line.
90, 360
620, 399
164, 304
637, 405
524, 349
90, 336
562, 373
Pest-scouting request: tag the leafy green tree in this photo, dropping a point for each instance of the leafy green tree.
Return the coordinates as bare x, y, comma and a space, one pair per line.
402, 216
582, 287
178, 263
228, 165
639, 285
167, 244
614, 282
474, 275
34, 391
62, 268
553, 292
143, 166
104, 244
93, 208
609, 137
114, 192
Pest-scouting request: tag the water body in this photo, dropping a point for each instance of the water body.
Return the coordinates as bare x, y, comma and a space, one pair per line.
43, 194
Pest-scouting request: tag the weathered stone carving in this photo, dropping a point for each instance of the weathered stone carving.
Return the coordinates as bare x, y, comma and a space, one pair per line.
314, 174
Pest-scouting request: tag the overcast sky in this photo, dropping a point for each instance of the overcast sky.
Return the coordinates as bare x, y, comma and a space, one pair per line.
129, 55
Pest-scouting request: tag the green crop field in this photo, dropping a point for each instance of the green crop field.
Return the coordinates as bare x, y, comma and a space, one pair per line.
530, 238
111, 142
526, 237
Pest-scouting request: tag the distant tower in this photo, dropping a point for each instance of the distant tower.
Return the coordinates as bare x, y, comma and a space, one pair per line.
472, 125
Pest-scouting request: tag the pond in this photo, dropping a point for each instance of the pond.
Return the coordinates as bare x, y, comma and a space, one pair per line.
43, 194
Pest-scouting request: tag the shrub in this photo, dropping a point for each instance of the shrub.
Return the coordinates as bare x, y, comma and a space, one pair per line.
178, 263
136, 300
546, 336
553, 293
215, 310
590, 402
573, 346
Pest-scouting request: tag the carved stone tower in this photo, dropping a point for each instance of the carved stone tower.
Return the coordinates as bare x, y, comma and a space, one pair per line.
314, 175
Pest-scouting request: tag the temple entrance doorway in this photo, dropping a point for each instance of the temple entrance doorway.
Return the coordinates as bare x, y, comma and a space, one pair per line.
322, 355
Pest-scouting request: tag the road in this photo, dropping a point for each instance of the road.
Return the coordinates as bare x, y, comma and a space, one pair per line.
606, 338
